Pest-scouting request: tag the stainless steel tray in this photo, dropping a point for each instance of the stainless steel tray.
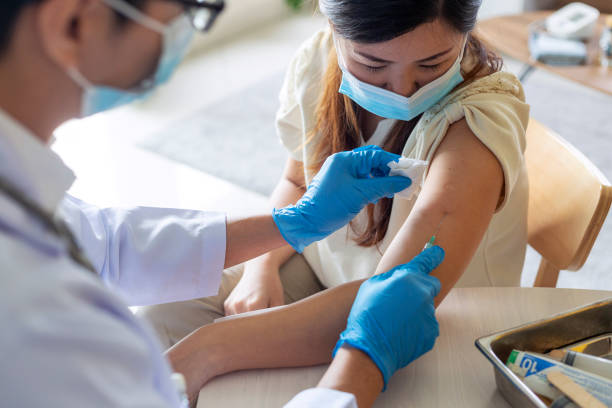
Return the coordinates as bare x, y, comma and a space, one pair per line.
559, 331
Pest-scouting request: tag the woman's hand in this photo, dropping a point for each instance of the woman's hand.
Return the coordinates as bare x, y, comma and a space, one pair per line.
259, 288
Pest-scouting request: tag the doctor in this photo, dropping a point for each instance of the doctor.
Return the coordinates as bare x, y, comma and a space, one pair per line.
67, 269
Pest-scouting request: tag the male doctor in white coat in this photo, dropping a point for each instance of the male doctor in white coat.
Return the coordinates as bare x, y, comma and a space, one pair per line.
68, 270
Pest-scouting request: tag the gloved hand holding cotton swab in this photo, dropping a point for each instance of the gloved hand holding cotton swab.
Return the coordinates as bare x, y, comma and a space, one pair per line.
412, 168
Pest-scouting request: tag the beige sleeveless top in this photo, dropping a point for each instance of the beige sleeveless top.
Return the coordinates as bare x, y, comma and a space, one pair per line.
495, 110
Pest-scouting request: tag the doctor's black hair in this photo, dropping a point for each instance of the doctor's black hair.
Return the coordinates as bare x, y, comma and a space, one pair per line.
11, 9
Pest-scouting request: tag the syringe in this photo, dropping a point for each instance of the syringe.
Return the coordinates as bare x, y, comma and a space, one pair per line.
430, 243
432, 240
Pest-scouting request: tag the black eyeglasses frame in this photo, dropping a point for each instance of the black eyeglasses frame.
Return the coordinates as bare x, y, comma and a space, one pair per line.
215, 7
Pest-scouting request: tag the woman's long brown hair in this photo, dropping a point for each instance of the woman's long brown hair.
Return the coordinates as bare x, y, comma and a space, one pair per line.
337, 128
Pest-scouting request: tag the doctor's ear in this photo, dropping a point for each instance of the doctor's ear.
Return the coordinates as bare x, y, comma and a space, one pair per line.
65, 27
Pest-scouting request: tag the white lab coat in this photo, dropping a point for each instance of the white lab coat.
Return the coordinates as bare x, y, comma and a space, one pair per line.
66, 339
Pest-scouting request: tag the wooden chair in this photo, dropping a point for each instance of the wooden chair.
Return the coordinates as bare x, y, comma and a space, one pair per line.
569, 199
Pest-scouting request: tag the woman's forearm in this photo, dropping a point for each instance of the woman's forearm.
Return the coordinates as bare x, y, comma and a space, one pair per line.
301, 334
272, 260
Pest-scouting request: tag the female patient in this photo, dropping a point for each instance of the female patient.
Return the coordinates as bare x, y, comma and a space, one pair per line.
409, 76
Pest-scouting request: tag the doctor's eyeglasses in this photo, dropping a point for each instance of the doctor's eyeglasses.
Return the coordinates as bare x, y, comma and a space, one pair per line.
202, 13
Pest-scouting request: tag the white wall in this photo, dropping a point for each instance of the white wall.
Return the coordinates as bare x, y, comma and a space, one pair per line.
492, 8
239, 17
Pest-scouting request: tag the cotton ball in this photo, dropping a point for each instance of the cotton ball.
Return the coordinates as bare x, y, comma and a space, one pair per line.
413, 168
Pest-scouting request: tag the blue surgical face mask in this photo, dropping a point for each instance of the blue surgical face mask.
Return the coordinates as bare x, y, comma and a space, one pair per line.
387, 104
177, 37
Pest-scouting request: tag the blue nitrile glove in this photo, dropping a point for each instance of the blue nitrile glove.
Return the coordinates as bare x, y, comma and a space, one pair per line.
393, 317
347, 182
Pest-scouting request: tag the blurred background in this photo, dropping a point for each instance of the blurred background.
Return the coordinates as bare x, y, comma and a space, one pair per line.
216, 116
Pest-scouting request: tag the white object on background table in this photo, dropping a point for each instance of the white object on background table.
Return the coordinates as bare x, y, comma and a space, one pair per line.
576, 21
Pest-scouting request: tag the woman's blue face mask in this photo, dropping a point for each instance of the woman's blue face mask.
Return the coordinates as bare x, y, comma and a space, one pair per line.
177, 37
387, 104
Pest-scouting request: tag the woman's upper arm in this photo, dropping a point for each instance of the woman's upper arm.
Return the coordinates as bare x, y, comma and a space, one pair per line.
457, 202
294, 172
290, 187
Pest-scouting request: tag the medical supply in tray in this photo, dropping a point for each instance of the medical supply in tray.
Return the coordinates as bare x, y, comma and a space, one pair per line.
534, 368
586, 362
596, 346
572, 390
576, 346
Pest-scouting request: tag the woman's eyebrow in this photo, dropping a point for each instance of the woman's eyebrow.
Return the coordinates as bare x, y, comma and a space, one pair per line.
384, 61
373, 58
433, 57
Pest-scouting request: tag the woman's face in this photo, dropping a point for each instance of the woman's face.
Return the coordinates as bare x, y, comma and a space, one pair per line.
405, 63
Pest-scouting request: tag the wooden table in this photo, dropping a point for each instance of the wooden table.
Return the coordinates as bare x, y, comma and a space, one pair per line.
510, 35
455, 374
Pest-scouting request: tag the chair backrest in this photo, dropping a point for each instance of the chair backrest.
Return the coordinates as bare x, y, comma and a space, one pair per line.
604, 6
569, 199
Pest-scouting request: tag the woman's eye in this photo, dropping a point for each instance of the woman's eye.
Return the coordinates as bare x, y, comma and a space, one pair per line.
431, 67
374, 69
